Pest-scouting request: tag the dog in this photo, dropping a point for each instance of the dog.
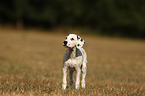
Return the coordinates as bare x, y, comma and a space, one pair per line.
75, 59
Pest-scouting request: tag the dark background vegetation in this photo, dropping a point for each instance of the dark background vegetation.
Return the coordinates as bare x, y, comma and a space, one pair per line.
105, 17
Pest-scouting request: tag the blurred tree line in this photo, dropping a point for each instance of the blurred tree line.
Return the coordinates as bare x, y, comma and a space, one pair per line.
112, 17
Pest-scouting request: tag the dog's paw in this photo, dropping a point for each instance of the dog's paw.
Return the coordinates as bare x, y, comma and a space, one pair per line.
77, 87
83, 85
63, 86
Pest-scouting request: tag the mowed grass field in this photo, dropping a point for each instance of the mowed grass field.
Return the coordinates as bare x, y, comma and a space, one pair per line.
31, 65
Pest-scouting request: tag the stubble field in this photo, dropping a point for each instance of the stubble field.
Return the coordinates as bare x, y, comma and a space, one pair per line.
31, 65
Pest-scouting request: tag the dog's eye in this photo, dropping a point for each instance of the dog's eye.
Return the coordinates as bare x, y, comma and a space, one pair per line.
72, 39
66, 37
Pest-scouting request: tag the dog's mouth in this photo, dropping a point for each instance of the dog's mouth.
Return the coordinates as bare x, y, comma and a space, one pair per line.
65, 46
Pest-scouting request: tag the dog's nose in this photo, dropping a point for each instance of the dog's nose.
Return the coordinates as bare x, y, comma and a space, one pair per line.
64, 43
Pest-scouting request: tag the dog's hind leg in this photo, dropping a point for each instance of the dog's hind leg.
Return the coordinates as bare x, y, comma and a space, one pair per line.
84, 71
71, 70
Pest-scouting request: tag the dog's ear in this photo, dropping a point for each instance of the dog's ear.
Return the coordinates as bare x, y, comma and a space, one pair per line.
80, 42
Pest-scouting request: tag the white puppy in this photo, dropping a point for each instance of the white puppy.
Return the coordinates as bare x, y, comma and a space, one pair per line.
75, 58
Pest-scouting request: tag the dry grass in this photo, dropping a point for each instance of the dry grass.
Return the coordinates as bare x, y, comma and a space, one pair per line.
31, 64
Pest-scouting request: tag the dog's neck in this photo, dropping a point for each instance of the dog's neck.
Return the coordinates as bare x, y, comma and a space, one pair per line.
73, 52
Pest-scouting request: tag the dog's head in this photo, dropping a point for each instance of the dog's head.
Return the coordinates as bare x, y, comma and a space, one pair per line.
73, 40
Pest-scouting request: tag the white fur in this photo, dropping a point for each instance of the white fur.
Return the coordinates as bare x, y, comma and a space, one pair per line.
75, 58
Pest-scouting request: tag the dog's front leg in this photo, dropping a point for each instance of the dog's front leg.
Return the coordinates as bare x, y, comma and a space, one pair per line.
78, 72
64, 81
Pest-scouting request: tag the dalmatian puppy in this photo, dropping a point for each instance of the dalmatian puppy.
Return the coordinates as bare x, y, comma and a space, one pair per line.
75, 59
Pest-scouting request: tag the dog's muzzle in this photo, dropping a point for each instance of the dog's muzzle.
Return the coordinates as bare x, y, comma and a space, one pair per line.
65, 43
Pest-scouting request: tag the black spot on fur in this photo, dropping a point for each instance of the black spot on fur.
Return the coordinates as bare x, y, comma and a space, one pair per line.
81, 40
78, 37
78, 45
81, 66
72, 39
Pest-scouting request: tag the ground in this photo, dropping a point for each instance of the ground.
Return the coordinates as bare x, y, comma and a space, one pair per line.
31, 65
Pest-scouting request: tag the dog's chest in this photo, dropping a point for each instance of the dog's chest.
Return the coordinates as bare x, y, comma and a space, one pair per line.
74, 62
74, 58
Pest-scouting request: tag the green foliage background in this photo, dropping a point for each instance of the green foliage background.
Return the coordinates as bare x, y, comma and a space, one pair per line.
110, 17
